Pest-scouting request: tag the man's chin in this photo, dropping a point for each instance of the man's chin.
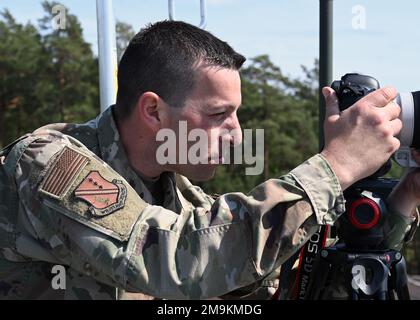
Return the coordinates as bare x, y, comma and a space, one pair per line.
200, 175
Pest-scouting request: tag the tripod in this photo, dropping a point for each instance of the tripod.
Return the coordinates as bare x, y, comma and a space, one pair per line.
369, 271
370, 275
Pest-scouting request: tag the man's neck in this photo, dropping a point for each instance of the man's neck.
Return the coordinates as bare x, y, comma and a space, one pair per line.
140, 149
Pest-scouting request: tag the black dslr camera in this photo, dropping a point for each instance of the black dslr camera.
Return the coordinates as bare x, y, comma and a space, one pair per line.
371, 270
354, 86
361, 226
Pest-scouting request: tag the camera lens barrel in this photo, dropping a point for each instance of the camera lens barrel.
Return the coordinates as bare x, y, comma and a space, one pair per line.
410, 117
406, 102
416, 119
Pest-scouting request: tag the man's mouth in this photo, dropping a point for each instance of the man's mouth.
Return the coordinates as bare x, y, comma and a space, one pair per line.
217, 160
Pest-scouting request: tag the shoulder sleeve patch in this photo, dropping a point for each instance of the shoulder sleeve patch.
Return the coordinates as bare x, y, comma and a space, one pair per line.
63, 171
103, 196
84, 188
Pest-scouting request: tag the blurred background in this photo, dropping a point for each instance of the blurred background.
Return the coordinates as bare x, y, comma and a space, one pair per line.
49, 75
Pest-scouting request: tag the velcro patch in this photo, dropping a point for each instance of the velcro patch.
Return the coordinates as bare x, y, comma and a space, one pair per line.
62, 173
95, 195
103, 196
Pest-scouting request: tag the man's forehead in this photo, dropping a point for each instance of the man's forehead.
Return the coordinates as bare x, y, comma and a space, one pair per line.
207, 72
220, 86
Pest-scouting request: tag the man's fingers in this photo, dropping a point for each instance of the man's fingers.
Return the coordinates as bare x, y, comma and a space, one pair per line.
396, 126
381, 97
392, 110
331, 102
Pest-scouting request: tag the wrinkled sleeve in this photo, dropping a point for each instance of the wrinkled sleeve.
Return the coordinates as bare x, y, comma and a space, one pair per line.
399, 229
125, 242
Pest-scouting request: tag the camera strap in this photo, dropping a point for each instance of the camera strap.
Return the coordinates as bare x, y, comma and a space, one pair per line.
296, 290
307, 258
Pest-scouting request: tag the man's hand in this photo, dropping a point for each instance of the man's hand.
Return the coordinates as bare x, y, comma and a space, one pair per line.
406, 195
359, 140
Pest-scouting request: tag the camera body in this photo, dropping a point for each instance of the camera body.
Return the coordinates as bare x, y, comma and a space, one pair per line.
353, 86
361, 227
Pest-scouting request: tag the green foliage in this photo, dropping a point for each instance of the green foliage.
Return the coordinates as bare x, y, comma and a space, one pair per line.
21, 55
47, 75
125, 33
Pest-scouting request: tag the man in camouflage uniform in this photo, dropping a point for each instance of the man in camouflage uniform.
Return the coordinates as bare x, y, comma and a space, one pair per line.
92, 197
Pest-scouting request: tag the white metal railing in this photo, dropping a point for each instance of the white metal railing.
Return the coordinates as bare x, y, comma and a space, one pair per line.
107, 52
203, 12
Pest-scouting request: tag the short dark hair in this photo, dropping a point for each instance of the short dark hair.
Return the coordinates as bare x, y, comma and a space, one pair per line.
161, 58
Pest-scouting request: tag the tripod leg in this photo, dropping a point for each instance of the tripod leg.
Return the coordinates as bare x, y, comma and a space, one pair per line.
401, 281
320, 273
354, 295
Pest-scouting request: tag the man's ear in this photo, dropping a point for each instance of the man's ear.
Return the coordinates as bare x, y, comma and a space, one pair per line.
147, 108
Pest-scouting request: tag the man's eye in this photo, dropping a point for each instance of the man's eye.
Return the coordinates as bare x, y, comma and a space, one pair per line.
218, 114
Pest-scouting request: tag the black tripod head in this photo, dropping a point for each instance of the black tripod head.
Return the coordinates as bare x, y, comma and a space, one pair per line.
362, 227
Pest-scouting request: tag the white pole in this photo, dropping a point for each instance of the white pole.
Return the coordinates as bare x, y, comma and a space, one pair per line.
107, 51
203, 12
171, 10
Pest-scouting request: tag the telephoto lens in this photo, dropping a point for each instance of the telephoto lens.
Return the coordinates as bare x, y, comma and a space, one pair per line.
410, 116
410, 133
354, 86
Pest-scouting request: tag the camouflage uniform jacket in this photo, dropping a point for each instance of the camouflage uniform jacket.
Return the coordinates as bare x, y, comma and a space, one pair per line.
69, 197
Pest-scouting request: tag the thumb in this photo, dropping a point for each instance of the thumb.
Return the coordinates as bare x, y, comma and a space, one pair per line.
331, 102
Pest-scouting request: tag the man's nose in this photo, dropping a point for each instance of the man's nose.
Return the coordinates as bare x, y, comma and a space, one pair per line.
235, 131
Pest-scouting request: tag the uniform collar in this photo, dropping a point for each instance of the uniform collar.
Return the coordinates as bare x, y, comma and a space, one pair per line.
113, 153
110, 146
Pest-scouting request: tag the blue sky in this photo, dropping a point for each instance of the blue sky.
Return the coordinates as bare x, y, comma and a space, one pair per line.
388, 48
